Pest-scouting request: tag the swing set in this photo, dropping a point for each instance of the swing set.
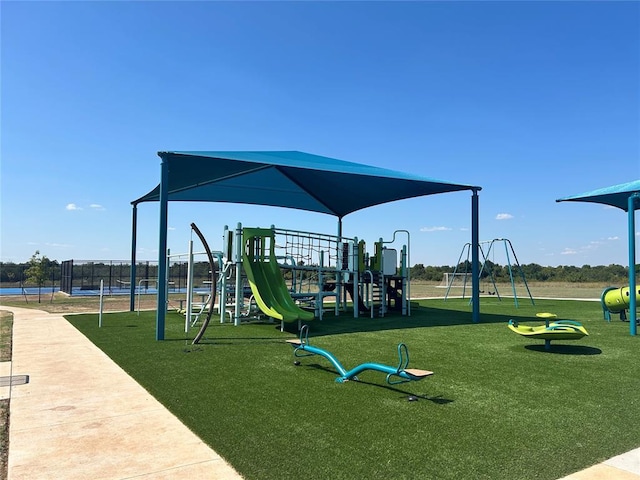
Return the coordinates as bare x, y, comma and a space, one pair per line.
486, 267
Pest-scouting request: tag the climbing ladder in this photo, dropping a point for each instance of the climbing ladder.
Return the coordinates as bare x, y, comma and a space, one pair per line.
374, 295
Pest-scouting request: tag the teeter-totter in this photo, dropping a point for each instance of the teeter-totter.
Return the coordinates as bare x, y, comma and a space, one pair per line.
302, 348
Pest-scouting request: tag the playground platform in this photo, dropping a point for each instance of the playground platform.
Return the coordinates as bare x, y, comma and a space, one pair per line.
78, 415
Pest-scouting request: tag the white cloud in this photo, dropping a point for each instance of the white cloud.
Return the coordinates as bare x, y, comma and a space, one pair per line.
504, 216
613, 238
435, 229
568, 251
58, 245
92, 206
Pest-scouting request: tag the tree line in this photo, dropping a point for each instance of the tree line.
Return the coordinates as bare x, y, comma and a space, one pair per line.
612, 274
39, 270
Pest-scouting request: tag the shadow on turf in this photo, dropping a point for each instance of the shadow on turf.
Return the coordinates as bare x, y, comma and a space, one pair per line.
345, 323
565, 349
405, 394
422, 317
233, 341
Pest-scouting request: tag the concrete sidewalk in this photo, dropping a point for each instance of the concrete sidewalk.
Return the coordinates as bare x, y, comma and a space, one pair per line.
622, 467
80, 416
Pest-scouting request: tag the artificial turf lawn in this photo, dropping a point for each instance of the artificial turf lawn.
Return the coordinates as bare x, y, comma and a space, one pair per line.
498, 407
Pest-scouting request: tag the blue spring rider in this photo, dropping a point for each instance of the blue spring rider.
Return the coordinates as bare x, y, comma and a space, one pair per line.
395, 375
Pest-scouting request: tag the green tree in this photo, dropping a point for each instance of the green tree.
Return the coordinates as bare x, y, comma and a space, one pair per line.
418, 272
38, 271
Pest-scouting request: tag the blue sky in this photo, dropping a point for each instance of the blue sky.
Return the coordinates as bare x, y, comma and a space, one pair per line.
532, 101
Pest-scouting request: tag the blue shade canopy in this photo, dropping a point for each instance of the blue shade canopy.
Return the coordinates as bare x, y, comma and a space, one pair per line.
627, 197
616, 196
289, 179
283, 179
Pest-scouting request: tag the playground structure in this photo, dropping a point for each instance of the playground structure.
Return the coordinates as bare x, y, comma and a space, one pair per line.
485, 270
557, 330
617, 300
302, 348
288, 275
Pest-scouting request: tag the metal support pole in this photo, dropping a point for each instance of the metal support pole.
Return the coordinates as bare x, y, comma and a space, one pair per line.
162, 251
132, 279
238, 262
187, 316
475, 245
632, 263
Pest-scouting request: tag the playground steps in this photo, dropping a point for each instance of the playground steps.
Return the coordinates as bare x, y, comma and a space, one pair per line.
377, 295
377, 301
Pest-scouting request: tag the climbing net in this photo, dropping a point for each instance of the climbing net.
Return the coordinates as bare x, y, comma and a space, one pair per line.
312, 257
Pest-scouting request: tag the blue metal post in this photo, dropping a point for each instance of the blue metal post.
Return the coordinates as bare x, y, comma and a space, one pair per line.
632, 262
162, 251
339, 289
513, 285
475, 261
134, 240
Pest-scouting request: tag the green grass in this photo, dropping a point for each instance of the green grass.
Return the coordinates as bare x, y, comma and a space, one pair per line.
498, 407
6, 328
